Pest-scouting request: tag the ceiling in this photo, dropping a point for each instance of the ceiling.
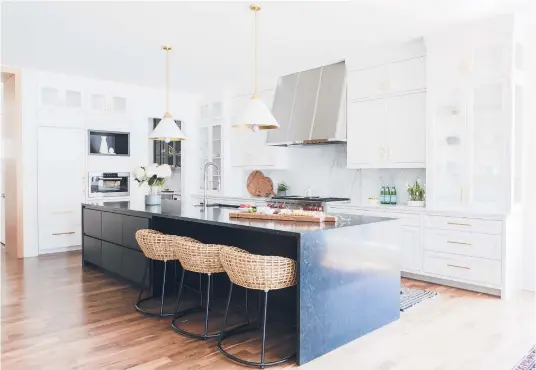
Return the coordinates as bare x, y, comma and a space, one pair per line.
212, 42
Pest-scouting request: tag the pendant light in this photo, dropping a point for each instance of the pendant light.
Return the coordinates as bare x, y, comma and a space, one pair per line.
167, 129
256, 115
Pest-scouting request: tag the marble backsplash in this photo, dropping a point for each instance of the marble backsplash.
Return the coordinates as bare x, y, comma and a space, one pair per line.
322, 168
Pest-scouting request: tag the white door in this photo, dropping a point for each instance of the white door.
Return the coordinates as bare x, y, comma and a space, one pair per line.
61, 186
366, 133
406, 130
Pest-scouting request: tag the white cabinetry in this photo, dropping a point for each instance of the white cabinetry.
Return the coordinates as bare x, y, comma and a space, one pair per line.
61, 186
387, 132
248, 148
470, 94
60, 107
211, 147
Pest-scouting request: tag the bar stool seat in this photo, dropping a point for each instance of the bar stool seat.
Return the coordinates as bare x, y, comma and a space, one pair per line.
157, 246
203, 259
257, 272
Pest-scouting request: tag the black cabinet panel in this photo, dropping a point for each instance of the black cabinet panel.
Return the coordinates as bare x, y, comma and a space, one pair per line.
133, 265
92, 250
92, 223
112, 227
111, 257
132, 224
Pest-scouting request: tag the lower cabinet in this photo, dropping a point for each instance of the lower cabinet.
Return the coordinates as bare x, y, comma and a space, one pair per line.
92, 250
410, 240
133, 265
111, 257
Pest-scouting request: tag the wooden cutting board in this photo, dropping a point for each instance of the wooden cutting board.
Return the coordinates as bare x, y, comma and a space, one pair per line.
262, 216
259, 185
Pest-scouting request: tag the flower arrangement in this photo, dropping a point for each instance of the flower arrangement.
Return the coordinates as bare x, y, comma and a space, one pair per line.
152, 177
416, 194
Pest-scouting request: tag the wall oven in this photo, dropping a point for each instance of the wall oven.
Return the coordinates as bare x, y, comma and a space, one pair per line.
109, 184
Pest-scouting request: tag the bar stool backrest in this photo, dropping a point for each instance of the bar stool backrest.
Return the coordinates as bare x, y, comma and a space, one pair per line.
254, 271
199, 257
158, 246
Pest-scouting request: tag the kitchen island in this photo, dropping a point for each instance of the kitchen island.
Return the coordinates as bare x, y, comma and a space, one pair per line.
348, 271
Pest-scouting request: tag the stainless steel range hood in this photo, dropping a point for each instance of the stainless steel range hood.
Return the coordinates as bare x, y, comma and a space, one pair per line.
310, 107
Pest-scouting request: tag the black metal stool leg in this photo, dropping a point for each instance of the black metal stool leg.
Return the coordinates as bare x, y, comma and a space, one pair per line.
180, 292
222, 331
264, 327
163, 290
247, 307
208, 305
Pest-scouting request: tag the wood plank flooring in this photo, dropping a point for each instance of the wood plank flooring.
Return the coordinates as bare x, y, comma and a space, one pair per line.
58, 315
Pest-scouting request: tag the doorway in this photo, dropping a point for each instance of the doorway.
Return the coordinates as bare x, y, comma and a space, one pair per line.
10, 163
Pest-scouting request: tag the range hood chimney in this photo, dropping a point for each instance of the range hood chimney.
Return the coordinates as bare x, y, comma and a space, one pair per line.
310, 107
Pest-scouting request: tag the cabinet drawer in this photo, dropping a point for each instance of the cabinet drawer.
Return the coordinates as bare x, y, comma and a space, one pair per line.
131, 224
112, 227
472, 269
464, 224
111, 257
133, 265
93, 223
92, 250
464, 243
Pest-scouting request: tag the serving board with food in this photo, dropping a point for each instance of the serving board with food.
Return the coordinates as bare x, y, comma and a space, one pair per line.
267, 213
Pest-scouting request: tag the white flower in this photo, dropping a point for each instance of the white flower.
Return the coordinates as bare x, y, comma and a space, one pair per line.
139, 174
152, 170
163, 171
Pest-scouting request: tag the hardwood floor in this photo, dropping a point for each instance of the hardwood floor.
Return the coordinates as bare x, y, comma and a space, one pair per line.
58, 315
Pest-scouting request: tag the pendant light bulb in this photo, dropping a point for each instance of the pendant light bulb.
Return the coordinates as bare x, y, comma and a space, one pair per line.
167, 129
255, 115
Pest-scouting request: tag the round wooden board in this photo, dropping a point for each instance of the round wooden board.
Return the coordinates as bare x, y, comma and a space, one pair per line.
259, 185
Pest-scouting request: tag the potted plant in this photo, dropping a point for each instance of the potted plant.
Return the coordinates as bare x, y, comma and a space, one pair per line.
416, 194
282, 188
152, 178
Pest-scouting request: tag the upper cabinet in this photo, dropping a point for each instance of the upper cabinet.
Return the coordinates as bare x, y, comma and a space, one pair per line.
389, 79
248, 148
471, 120
386, 116
60, 107
211, 144
387, 133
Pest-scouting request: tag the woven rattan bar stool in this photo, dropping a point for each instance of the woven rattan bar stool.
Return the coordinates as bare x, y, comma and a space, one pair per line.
257, 272
157, 247
203, 259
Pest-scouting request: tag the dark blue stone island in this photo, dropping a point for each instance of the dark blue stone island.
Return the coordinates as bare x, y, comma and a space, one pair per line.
348, 271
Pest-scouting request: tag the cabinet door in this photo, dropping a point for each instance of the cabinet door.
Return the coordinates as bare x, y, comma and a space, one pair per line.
407, 75
366, 133
92, 250
406, 130
367, 83
61, 186
410, 240
111, 257
132, 224
92, 223
112, 227
133, 265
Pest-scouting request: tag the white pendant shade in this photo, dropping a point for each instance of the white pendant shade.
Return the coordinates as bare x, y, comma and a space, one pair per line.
167, 130
256, 115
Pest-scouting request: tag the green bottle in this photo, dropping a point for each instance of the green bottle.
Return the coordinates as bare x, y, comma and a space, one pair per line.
393, 195
387, 195
382, 195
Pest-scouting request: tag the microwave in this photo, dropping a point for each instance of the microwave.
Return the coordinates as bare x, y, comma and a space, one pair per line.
109, 184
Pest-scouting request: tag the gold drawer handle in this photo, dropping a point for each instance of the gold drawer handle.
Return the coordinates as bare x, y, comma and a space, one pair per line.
65, 233
60, 212
458, 224
453, 242
459, 267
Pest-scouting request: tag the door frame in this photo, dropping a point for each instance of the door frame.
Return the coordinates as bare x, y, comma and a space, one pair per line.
14, 235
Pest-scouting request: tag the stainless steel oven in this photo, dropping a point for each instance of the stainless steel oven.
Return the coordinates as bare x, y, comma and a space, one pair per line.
109, 184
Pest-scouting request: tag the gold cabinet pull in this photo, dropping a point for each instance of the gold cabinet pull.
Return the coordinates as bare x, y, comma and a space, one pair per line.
453, 242
65, 233
458, 224
459, 267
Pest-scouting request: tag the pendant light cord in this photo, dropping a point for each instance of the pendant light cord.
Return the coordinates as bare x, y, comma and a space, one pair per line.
167, 80
255, 93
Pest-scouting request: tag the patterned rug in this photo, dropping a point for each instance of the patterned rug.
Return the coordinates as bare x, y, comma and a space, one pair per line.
528, 362
409, 297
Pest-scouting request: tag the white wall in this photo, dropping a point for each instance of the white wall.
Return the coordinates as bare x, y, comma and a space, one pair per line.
142, 102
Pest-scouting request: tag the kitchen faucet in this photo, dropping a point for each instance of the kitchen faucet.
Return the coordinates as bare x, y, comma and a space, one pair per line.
206, 182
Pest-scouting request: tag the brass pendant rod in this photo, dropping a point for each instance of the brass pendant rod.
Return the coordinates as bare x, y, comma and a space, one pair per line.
167, 80
255, 8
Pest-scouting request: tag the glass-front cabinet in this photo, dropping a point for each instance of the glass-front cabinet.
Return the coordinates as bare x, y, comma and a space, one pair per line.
211, 145
167, 153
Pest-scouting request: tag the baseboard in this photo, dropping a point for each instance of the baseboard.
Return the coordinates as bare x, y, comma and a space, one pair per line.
454, 284
61, 250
